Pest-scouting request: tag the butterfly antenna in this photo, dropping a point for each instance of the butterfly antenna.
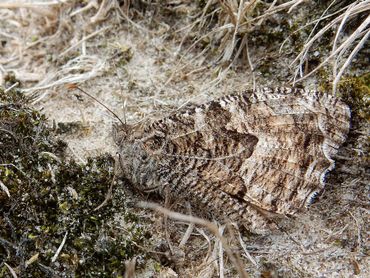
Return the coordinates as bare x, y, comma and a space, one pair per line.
124, 111
121, 89
74, 86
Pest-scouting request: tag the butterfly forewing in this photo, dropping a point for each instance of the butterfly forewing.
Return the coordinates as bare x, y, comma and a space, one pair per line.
243, 154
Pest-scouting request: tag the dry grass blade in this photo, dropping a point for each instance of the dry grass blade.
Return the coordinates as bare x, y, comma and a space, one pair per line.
33, 259
249, 256
77, 70
349, 59
11, 270
83, 40
199, 221
73, 86
187, 234
338, 52
55, 257
91, 4
290, 5
236, 19
11, 87
30, 4
4, 188
221, 253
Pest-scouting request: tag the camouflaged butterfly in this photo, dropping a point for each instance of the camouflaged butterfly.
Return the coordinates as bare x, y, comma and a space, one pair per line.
241, 157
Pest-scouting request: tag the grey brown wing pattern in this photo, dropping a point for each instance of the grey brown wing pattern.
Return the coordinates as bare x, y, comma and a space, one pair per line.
267, 150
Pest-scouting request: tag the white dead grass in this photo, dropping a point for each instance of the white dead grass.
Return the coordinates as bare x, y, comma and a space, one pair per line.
344, 48
152, 83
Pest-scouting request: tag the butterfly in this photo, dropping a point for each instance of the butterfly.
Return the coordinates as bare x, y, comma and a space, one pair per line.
242, 157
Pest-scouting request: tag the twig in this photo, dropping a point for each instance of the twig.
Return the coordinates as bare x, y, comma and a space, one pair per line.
250, 64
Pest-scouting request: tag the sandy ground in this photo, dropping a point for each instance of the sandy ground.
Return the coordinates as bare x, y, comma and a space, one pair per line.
330, 240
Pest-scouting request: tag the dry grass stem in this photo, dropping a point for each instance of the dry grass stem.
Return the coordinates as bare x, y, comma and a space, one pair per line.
104, 8
11, 87
248, 255
221, 254
90, 66
84, 39
31, 4
91, 4
33, 259
11, 270
187, 235
338, 52
55, 257
5, 189
199, 221
189, 230
359, 46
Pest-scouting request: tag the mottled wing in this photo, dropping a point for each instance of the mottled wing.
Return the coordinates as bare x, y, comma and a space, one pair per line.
267, 150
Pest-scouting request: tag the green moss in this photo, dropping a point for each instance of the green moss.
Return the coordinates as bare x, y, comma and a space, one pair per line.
123, 54
69, 127
51, 196
355, 91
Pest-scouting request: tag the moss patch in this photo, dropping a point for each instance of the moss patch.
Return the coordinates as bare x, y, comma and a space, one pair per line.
51, 197
355, 91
